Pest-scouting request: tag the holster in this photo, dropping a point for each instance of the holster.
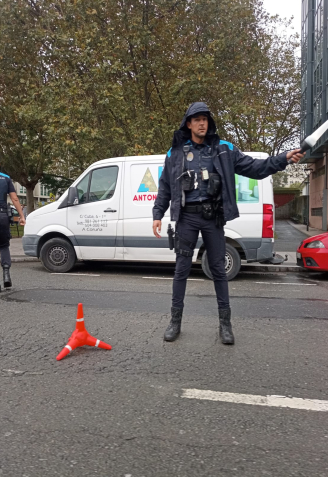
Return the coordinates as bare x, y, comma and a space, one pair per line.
10, 215
179, 242
170, 234
176, 242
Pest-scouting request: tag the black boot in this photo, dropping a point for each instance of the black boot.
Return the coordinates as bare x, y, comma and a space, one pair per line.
6, 277
174, 328
225, 326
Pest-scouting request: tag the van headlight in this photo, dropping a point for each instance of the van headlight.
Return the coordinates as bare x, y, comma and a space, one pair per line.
314, 244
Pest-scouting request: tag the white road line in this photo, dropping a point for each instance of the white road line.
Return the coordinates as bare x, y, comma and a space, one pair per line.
270, 401
76, 274
162, 278
285, 283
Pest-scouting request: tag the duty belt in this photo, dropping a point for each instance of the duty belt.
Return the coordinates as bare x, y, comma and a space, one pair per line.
194, 208
4, 210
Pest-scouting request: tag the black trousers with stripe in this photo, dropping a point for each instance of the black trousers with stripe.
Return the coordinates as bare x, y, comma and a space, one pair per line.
4, 239
188, 227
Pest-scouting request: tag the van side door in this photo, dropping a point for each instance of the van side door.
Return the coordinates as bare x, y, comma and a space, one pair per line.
140, 192
93, 221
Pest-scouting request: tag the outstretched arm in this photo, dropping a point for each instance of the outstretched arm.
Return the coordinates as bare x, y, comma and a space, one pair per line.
258, 168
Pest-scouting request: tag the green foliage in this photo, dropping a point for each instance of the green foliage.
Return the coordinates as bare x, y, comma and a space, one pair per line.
82, 80
56, 184
280, 179
297, 185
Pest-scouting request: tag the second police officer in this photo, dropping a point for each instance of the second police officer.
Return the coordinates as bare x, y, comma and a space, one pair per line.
7, 188
199, 180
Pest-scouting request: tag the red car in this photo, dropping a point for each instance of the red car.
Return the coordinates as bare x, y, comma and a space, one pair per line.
312, 253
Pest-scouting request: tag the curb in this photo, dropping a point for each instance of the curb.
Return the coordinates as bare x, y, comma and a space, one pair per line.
272, 268
305, 232
24, 259
244, 267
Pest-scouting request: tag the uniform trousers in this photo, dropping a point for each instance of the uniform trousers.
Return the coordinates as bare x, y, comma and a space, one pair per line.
4, 239
188, 227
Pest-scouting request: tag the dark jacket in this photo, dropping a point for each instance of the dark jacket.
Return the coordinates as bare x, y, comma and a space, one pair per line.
228, 160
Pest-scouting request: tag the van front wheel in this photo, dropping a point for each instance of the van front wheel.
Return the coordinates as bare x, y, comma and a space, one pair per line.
58, 255
232, 263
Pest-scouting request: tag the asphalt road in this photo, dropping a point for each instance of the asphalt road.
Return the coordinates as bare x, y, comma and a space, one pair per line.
288, 237
123, 412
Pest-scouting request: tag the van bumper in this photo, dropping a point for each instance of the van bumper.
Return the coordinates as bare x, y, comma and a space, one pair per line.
257, 249
30, 245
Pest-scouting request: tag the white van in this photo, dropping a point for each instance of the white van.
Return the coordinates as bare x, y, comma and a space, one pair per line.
107, 215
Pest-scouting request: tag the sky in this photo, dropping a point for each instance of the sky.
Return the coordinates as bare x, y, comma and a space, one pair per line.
286, 9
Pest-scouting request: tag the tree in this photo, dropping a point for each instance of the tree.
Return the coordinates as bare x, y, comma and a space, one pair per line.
25, 143
87, 79
280, 179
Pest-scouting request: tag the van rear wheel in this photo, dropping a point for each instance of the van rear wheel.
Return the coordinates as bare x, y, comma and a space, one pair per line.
232, 263
58, 255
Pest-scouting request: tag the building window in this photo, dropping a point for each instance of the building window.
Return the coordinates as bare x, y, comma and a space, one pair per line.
316, 212
317, 64
304, 67
43, 190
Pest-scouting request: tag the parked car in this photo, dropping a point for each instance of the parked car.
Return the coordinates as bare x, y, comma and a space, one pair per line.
312, 253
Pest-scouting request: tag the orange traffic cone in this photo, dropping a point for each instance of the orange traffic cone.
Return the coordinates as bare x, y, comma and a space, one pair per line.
81, 337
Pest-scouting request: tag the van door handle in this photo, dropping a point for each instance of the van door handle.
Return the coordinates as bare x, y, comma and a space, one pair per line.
110, 210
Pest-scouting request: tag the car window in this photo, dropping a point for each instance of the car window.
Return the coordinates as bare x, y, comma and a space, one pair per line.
103, 183
82, 189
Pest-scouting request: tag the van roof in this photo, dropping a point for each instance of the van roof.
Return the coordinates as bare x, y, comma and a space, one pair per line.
130, 158
256, 155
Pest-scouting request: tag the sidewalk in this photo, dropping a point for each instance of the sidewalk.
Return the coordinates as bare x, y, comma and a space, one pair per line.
17, 252
302, 228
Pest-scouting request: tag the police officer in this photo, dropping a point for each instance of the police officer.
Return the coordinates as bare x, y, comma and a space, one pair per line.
199, 180
7, 187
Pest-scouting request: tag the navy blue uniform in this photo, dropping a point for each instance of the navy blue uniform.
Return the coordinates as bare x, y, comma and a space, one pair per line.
217, 156
6, 187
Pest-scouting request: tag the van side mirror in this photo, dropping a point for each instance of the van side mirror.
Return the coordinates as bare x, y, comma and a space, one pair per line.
73, 197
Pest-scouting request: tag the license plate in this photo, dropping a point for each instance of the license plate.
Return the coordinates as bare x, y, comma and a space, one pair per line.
298, 255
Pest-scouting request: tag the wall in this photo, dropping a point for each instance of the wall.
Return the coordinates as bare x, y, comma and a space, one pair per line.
285, 204
317, 185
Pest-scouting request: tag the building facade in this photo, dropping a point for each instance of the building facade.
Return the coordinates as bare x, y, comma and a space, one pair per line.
41, 194
314, 104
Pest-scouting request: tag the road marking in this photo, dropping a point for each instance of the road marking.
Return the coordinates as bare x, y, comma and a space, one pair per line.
270, 401
288, 283
162, 278
76, 274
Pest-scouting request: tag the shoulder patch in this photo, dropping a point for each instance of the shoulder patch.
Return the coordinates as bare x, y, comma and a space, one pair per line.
169, 152
230, 146
4, 175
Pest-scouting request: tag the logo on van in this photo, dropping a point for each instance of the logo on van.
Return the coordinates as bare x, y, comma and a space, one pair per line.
148, 186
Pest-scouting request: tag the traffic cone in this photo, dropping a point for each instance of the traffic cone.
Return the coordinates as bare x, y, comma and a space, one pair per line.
81, 337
